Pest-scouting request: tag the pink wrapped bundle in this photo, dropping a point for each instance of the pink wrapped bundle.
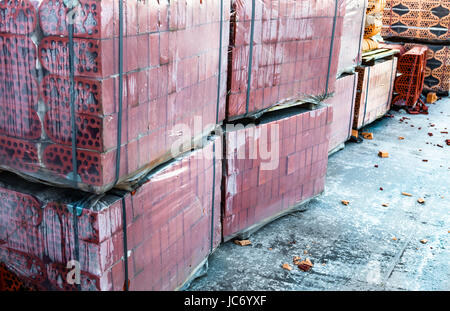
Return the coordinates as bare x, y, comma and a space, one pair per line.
282, 50
168, 228
273, 167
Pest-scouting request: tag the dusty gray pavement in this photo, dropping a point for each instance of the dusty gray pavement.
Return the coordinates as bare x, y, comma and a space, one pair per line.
362, 246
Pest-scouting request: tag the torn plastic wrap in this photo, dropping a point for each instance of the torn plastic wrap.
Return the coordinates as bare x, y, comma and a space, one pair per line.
172, 220
281, 51
374, 91
352, 35
343, 106
427, 20
272, 168
74, 78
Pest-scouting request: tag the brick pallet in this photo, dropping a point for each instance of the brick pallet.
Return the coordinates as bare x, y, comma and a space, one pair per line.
169, 220
352, 34
170, 77
419, 19
281, 51
343, 103
374, 91
437, 70
257, 191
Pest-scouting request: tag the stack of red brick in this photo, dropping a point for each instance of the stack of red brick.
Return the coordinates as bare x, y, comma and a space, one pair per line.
171, 75
169, 220
282, 53
374, 91
409, 85
343, 103
167, 80
421, 19
273, 167
350, 54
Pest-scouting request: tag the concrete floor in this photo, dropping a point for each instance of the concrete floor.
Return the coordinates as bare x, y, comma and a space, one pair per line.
353, 247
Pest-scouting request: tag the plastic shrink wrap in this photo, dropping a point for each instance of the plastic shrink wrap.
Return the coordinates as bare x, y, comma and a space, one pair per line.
169, 220
352, 34
61, 108
280, 51
273, 167
374, 91
343, 103
427, 20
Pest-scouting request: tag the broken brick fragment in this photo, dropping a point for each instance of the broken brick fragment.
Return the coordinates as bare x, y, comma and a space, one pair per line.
367, 135
383, 154
305, 265
242, 242
287, 266
431, 98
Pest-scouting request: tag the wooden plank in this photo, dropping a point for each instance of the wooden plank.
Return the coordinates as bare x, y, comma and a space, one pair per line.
373, 52
380, 55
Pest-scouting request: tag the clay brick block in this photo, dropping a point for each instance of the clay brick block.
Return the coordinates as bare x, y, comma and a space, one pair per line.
164, 244
342, 102
162, 86
374, 92
281, 187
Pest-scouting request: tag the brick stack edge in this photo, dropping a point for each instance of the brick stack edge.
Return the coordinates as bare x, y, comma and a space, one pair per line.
350, 54
374, 91
291, 52
257, 189
343, 104
171, 62
168, 228
408, 85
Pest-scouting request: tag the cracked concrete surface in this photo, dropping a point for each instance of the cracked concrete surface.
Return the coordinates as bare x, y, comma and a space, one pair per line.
353, 247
